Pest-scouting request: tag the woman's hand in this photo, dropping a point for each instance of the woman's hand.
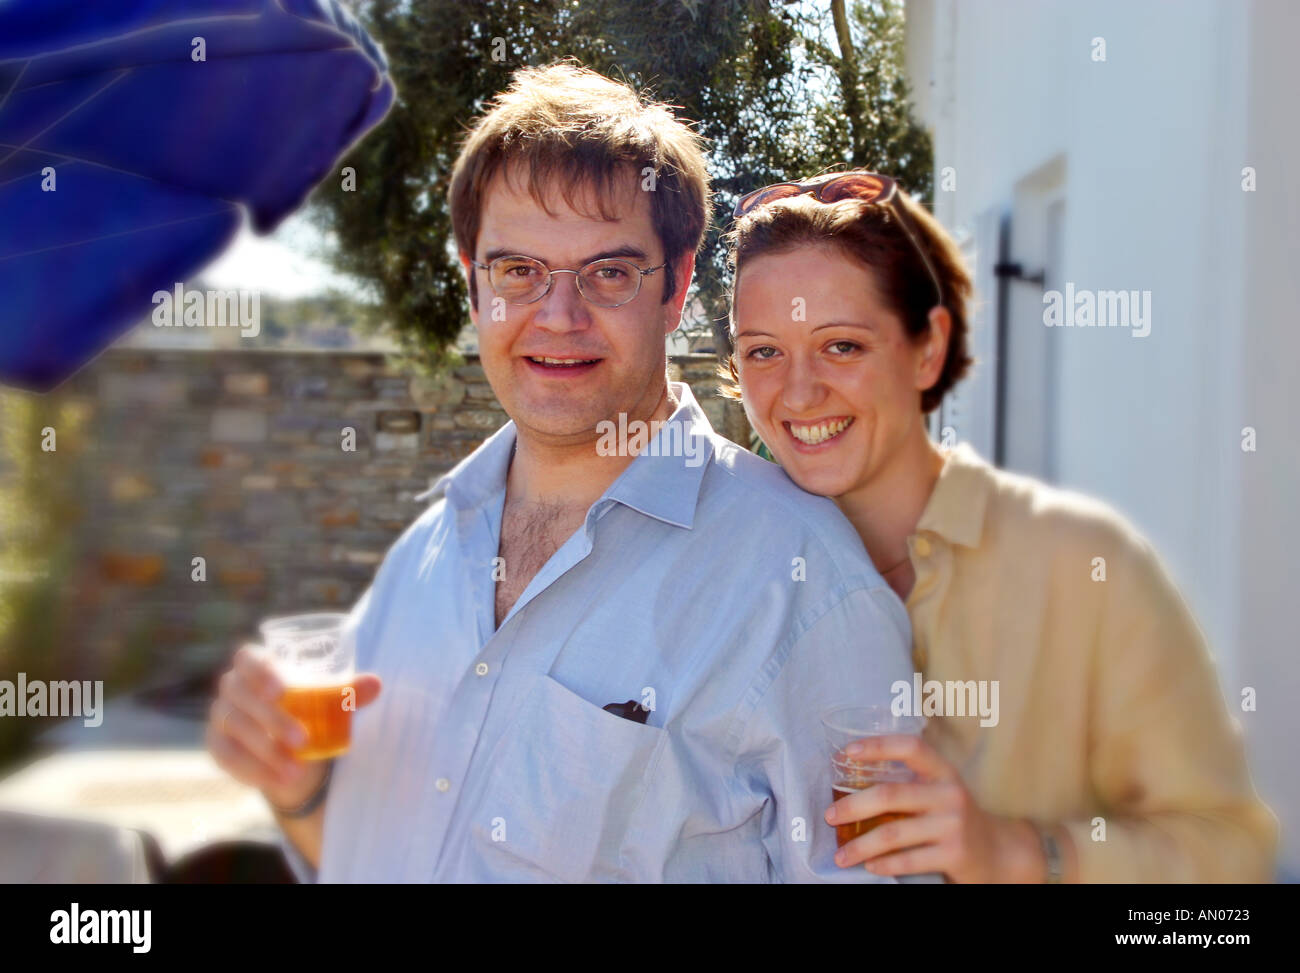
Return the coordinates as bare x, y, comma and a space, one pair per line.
947, 831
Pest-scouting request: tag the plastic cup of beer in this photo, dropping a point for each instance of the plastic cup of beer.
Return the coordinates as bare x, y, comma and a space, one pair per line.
842, 727
315, 658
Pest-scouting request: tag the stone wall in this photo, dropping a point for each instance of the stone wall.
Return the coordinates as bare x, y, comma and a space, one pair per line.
238, 457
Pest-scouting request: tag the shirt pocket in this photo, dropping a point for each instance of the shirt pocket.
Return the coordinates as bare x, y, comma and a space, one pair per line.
562, 786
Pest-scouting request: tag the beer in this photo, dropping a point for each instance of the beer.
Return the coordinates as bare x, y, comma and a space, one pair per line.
320, 711
313, 656
848, 724
844, 833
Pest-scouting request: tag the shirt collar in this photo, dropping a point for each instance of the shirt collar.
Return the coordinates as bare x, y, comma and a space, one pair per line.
960, 497
480, 475
662, 482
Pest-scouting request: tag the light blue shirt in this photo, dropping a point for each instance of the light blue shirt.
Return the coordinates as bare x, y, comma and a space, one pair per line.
704, 583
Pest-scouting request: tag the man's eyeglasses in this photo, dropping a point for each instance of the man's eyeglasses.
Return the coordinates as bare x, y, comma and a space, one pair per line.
606, 283
870, 187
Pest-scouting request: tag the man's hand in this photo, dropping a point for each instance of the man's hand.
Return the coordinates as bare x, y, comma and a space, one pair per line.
252, 738
946, 832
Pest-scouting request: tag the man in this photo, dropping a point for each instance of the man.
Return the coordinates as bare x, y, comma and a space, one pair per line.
603, 658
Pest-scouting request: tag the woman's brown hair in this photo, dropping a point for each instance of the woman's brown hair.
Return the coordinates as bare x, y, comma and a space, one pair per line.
870, 234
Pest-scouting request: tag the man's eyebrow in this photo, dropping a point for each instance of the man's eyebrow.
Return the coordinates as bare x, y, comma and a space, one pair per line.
753, 334
626, 251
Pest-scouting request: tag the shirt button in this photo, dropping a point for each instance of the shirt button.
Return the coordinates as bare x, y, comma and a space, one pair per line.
442, 783
481, 668
922, 547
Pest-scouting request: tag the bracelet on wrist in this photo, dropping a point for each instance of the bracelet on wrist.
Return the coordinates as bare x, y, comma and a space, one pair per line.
1055, 870
313, 800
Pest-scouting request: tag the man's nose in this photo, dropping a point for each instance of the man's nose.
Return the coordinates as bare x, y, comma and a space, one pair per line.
563, 309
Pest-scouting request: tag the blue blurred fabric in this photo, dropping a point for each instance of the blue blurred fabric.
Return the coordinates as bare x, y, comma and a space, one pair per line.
156, 155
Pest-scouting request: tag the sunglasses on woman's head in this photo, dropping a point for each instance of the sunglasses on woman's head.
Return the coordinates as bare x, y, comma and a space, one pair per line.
868, 187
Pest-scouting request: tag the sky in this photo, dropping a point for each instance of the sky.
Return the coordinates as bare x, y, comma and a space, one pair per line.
285, 263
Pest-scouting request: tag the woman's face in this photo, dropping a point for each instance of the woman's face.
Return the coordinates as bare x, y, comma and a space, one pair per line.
831, 381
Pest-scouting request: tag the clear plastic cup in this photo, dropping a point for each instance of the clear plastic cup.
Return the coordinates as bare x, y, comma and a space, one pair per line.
843, 726
314, 655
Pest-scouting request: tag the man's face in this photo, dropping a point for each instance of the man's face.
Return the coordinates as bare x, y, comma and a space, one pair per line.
621, 349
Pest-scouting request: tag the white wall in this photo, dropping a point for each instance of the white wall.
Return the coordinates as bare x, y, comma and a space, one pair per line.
1152, 142
1269, 502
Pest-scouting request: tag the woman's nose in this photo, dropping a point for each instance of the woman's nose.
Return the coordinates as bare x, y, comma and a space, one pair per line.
803, 387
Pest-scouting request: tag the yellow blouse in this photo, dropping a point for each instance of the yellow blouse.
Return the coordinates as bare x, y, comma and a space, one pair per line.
1108, 701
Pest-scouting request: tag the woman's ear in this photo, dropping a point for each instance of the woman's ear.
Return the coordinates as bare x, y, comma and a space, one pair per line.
935, 349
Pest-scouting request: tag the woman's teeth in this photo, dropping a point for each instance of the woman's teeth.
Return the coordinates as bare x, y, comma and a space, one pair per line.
812, 435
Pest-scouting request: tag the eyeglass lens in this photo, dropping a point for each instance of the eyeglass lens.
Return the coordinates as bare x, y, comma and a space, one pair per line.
608, 283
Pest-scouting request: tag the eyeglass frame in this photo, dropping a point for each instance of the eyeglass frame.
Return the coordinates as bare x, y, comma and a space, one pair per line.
815, 186
550, 277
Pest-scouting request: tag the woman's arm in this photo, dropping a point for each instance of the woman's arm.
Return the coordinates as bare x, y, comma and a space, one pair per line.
1164, 754
1163, 758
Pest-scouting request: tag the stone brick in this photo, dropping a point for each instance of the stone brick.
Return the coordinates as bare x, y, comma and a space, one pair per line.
153, 389
388, 442
258, 481
292, 420
130, 487
238, 426
480, 390
339, 517
334, 437
309, 387
480, 419
364, 408
248, 384
384, 468
122, 567
444, 390
361, 366
470, 372
240, 576
290, 437
314, 592
392, 387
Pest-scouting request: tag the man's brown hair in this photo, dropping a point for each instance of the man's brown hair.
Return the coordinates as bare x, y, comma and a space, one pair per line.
870, 234
570, 127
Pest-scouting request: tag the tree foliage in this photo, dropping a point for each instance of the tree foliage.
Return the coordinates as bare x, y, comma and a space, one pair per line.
766, 83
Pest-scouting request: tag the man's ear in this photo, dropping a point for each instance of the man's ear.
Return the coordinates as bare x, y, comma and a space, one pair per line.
467, 265
934, 351
683, 270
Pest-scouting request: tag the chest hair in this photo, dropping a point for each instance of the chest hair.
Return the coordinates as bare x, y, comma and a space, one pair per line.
531, 531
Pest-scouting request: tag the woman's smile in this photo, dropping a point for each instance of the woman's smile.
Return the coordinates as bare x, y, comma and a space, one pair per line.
817, 435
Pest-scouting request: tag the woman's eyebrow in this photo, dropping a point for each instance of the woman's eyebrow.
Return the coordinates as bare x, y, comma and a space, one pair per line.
846, 324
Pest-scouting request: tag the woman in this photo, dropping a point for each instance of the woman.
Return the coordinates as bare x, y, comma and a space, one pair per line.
1113, 757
